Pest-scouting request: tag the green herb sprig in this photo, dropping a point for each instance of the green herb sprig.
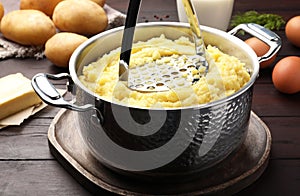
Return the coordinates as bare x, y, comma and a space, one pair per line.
269, 21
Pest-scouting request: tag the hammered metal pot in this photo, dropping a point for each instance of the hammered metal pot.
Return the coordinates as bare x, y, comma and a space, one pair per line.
169, 142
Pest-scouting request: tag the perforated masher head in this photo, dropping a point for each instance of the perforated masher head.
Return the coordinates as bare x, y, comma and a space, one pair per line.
169, 72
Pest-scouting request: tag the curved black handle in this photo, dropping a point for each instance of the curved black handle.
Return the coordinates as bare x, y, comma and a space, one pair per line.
130, 23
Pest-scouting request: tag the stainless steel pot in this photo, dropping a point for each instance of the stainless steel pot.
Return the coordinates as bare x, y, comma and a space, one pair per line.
160, 142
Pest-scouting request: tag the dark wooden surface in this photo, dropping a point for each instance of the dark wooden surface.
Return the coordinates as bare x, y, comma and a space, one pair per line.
28, 168
233, 174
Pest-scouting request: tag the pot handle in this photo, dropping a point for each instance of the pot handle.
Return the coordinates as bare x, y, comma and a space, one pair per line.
48, 93
265, 35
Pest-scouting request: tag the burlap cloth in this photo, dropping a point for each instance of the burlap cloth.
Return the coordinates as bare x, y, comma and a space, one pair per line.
9, 49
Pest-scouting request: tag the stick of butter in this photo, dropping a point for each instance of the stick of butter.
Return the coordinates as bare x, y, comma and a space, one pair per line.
16, 94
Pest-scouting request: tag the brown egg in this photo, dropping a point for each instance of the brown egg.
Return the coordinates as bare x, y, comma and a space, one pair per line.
286, 75
292, 30
260, 48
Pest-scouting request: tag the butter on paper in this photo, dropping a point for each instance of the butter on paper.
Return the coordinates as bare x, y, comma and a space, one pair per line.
9, 49
18, 118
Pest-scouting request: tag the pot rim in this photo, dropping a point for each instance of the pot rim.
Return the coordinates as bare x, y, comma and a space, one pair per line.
223, 34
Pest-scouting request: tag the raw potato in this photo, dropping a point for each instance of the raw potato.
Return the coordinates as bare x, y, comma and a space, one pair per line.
60, 47
46, 6
27, 27
82, 17
1, 11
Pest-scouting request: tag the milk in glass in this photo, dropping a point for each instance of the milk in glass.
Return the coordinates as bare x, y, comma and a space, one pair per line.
212, 13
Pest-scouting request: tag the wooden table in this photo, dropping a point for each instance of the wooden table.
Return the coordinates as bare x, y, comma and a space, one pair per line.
28, 168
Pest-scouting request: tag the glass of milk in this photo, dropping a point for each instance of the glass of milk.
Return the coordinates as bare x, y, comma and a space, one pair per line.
212, 13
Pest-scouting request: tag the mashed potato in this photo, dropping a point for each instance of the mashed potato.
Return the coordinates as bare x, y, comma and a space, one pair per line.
226, 75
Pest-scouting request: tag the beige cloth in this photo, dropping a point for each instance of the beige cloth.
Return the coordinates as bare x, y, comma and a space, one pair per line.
9, 49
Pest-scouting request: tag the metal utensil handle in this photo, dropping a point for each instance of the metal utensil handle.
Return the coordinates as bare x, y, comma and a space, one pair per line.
48, 93
195, 27
130, 23
197, 34
265, 35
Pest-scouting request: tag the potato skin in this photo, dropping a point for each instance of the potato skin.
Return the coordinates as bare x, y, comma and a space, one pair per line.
82, 17
1, 11
27, 27
59, 48
46, 6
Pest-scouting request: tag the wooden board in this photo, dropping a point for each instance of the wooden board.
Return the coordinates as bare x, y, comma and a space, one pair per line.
236, 172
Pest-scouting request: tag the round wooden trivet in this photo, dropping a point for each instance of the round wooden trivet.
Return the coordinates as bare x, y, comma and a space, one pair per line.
236, 172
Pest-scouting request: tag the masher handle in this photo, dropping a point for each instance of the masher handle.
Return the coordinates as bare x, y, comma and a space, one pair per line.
130, 23
195, 27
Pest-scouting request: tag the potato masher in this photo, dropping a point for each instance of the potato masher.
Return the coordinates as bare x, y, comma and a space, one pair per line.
181, 71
